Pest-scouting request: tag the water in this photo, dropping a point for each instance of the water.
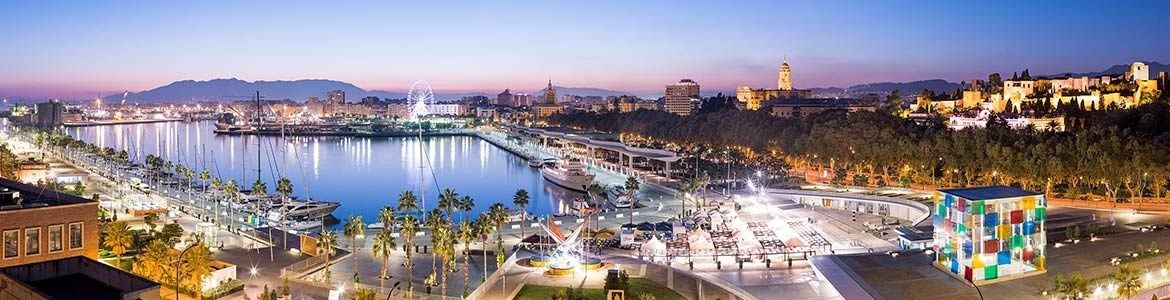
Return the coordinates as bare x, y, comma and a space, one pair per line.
364, 174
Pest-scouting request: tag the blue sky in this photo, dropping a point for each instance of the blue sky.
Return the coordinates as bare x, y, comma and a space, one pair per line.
77, 49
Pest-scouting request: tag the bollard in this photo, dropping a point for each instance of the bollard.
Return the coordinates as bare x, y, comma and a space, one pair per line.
691, 265
719, 265
768, 263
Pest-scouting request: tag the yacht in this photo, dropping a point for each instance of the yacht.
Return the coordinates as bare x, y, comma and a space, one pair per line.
535, 163
618, 197
303, 209
228, 122
303, 225
570, 174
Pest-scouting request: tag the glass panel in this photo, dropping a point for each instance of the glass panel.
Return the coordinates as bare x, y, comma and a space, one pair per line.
32, 241
55, 238
11, 243
75, 236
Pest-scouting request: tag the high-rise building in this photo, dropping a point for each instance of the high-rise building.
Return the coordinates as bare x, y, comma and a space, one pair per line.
335, 97
679, 95
550, 93
505, 98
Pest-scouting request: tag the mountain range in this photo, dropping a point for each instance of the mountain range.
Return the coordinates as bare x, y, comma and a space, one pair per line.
300, 90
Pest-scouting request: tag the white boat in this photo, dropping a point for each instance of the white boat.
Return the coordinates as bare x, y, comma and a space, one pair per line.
570, 174
301, 209
535, 163
305, 224
618, 197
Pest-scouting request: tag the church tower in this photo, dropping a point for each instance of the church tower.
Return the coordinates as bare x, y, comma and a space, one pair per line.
785, 81
550, 93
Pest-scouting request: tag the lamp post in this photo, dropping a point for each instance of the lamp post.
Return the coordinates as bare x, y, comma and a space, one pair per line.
178, 264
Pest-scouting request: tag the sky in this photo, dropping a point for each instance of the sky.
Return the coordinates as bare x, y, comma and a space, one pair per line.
77, 49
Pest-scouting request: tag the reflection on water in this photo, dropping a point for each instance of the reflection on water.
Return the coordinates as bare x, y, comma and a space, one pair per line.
362, 173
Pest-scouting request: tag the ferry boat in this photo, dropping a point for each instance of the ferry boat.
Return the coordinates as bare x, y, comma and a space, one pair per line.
570, 174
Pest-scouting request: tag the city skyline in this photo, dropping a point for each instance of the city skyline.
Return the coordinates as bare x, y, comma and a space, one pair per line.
76, 51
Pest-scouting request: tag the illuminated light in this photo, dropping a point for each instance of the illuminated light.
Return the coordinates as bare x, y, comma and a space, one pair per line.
253, 271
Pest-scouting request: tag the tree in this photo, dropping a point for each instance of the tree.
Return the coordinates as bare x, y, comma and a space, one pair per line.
1074, 287
384, 245
171, 234
233, 193
284, 187
151, 221
520, 199
198, 264
894, 103
484, 226
407, 230
466, 235
363, 294
632, 185
118, 239
618, 281
325, 247
354, 228
1129, 281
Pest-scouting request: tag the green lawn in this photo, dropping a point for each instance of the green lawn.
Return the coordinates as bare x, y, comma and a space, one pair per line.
638, 286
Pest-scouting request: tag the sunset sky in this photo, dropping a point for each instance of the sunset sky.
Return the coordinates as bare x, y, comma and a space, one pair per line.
78, 49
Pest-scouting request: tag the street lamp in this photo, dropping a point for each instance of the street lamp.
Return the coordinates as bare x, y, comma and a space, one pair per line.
178, 267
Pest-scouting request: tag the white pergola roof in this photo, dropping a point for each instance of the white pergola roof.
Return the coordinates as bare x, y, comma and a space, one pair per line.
655, 154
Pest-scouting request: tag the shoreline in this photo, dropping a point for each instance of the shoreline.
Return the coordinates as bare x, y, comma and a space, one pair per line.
117, 122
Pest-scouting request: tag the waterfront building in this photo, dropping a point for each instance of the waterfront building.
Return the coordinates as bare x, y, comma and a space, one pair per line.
804, 107
505, 99
50, 114
990, 234
753, 99
333, 100
679, 97
449, 109
40, 224
522, 99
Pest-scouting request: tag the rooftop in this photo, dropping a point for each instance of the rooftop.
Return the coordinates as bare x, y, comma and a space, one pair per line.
77, 277
820, 102
16, 195
989, 192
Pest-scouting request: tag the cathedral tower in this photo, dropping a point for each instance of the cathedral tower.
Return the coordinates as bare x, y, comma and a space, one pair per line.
785, 81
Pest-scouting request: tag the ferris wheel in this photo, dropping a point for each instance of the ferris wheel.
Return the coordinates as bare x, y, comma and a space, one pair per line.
420, 96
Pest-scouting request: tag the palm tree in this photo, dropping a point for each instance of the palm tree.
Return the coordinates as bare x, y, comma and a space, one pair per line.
386, 217
354, 228
233, 193
216, 183
325, 247
520, 199
118, 238
593, 191
1074, 287
632, 186
465, 205
444, 244
198, 261
499, 216
1129, 282
384, 245
448, 201
466, 235
484, 227
203, 177
408, 228
285, 188
407, 202
434, 220
363, 294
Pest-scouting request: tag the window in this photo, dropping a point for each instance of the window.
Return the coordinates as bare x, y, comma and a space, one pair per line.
75, 237
11, 243
32, 241
56, 238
